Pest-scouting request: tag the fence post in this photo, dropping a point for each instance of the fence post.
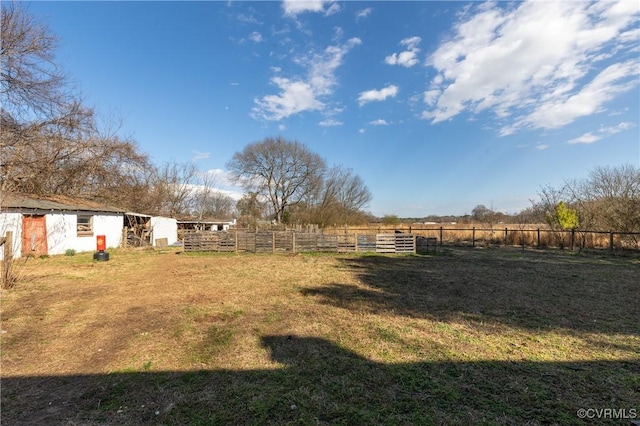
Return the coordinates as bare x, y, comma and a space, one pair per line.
506, 232
415, 244
356, 245
236, 241
293, 241
8, 246
573, 236
273, 241
611, 241
538, 237
473, 236
441, 236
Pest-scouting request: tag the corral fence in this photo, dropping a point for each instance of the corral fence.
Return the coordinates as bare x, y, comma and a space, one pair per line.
300, 242
407, 240
525, 236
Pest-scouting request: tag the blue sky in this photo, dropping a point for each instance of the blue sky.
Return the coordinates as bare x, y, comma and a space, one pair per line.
438, 106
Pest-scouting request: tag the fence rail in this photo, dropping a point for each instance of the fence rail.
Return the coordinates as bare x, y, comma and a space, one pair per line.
412, 240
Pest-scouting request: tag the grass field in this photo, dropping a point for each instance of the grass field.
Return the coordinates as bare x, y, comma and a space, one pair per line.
470, 336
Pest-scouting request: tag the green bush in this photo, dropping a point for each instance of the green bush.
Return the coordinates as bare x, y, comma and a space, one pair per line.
70, 252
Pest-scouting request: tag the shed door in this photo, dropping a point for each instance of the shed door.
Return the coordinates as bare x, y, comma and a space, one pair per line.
34, 236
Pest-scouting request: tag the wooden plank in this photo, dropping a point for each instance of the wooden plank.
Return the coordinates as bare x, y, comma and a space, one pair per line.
385, 243
306, 242
282, 241
327, 243
366, 243
345, 244
404, 243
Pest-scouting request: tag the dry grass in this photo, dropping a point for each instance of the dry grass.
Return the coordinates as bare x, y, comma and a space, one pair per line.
468, 336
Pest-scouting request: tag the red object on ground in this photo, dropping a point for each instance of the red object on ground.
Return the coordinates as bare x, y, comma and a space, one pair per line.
101, 242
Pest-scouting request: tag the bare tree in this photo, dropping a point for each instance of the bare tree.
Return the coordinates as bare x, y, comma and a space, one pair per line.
174, 188
342, 196
282, 171
209, 202
250, 209
32, 86
483, 214
221, 206
615, 194
39, 108
608, 199
50, 142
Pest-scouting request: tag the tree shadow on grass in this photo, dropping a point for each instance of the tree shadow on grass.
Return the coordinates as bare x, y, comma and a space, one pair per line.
534, 291
321, 383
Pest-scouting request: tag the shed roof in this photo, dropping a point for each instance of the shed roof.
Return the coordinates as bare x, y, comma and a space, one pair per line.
41, 204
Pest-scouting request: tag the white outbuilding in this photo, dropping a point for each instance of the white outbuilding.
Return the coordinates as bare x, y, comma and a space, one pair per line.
34, 226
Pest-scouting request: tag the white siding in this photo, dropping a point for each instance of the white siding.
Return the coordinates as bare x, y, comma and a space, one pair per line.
11, 222
62, 232
164, 227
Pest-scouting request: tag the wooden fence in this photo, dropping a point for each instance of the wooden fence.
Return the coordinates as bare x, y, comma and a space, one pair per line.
299, 242
412, 240
529, 237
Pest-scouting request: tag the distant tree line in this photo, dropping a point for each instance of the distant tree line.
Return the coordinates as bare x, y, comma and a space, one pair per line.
608, 199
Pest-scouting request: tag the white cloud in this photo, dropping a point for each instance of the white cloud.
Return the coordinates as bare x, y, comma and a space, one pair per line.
377, 95
363, 13
294, 97
602, 133
218, 181
431, 96
293, 8
541, 146
247, 19
332, 9
540, 64
586, 138
303, 93
562, 110
197, 155
329, 122
256, 37
409, 57
218, 178
612, 130
235, 193
379, 122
